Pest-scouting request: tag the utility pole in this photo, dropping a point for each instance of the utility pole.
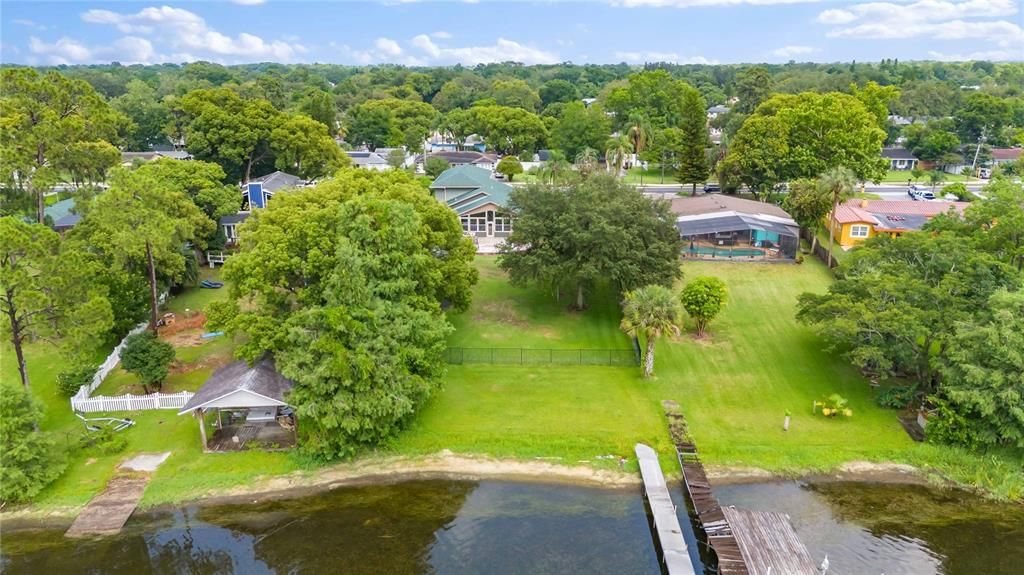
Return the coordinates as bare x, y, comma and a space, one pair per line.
977, 150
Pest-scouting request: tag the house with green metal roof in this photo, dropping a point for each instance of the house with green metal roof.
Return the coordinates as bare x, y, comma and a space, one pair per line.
478, 198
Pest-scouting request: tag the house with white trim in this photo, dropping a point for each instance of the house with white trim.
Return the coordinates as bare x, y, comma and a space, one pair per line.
477, 198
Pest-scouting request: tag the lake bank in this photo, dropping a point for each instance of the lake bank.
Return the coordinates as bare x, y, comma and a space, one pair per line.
417, 526
458, 467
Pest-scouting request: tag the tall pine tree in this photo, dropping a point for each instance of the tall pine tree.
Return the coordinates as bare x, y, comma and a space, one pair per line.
693, 162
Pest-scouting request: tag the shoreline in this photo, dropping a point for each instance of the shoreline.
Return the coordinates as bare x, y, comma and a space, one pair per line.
448, 466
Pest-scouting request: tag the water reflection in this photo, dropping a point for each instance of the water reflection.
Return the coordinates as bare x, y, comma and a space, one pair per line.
409, 528
869, 529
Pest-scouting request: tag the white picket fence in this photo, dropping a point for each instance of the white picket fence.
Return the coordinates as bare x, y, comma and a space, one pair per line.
81, 401
130, 402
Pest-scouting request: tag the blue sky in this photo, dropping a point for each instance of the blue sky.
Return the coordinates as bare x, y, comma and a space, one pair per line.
468, 32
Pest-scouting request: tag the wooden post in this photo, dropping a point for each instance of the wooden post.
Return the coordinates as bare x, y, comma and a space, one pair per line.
202, 428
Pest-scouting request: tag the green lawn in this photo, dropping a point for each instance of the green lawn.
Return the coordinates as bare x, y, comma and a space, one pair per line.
566, 414
506, 316
734, 387
901, 177
196, 298
649, 176
187, 473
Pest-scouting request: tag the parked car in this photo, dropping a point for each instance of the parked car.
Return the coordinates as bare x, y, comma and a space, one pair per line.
712, 188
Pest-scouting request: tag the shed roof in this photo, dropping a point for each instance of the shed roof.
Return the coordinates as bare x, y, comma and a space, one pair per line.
261, 379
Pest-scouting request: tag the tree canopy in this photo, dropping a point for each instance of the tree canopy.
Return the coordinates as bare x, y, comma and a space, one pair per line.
579, 235
344, 284
48, 292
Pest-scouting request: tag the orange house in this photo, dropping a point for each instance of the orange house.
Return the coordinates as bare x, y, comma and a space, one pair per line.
858, 220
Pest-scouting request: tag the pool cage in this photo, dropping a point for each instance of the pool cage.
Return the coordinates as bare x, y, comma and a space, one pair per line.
747, 243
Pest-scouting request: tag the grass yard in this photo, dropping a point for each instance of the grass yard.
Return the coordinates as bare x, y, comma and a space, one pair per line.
505, 316
734, 388
188, 473
901, 177
565, 414
650, 176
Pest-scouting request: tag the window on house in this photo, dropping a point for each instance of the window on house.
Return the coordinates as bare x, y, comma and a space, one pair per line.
858, 231
229, 232
502, 224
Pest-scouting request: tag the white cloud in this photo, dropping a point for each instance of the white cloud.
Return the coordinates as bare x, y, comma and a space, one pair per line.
836, 17
127, 50
441, 35
790, 51
388, 47
991, 55
693, 3
188, 33
502, 50
933, 20
29, 23
642, 57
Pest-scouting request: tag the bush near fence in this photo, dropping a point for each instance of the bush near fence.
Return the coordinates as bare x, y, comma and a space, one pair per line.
526, 356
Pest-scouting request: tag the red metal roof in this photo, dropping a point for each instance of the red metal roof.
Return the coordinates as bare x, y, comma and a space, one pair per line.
1006, 154
866, 210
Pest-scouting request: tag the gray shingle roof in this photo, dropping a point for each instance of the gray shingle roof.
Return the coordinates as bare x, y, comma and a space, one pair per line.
262, 378
897, 154
277, 180
234, 218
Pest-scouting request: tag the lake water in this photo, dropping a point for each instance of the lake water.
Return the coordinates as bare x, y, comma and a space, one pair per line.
497, 527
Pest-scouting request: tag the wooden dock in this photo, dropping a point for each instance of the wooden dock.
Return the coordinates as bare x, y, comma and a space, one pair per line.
107, 513
675, 555
745, 542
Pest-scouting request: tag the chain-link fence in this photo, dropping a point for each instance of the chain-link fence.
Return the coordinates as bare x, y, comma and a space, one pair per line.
524, 356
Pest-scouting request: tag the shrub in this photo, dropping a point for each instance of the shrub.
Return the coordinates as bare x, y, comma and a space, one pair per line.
509, 166
148, 357
896, 397
70, 381
947, 425
106, 441
31, 460
434, 166
703, 298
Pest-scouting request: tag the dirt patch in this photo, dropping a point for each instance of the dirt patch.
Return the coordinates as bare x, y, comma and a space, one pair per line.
190, 338
183, 323
443, 465
865, 471
500, 311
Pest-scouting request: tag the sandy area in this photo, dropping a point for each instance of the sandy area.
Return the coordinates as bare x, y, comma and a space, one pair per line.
446, 465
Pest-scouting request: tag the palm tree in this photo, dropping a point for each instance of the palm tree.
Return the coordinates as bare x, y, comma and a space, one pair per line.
586, 161
839, 183
936, 177
650, 311
615, 152
639, 131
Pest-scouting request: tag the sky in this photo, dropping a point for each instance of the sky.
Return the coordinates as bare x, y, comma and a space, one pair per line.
469, 32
